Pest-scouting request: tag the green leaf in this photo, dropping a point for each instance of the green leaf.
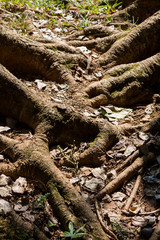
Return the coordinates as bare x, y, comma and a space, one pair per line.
66, 234
78, 235
71, 228
79, 229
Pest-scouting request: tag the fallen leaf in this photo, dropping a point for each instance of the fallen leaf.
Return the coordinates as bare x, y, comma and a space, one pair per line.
139, 221
99, 173
129, 150
94, 184
118, 196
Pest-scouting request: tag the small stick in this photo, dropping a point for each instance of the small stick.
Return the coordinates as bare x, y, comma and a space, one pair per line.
149, 213
102, 224
128, 161
133, 194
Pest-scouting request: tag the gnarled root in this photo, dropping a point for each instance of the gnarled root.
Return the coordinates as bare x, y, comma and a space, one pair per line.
128, 81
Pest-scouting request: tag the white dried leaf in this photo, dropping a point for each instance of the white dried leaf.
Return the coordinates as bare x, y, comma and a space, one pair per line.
4, 129
129, 150
139, 221
113, 217
99, 173
94, 184
4, 180
118, 196
56, 100
143, 136
84, 49
5, 191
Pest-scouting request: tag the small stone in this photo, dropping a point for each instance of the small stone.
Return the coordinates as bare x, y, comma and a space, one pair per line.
4, 180
19, 208
5, 207
147, 232
5, 191
19, 185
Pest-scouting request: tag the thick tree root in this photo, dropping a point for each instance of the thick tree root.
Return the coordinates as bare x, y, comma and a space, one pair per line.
128, 81
33, 58
137, 39
31, 158
136, 10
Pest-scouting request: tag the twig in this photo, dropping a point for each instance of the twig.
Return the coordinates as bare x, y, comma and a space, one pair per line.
149, 213
109, 232
133, 194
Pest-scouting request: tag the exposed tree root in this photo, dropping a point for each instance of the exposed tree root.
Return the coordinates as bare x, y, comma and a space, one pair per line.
134, 81
123, 85
156, 233
124, 176
133, 194
137, 39
136, 10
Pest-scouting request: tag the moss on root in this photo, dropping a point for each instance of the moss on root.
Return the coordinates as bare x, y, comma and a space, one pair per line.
10, 231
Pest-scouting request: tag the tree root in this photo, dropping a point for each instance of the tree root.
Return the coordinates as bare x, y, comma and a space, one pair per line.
133, 194
127, 81
124, 176
156, 233
122, 50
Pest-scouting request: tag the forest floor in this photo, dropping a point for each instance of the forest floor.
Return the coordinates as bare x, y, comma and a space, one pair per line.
29, 198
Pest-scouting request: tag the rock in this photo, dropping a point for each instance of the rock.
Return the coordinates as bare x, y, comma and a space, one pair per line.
4, 180
19, 208
147, 232
5, 191
5, 207
19, 185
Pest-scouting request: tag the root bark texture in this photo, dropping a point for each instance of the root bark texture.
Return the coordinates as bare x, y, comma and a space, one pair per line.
130, 66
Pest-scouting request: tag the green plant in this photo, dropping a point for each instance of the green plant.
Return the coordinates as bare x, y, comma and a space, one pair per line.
74, 233
121, 232
42, 198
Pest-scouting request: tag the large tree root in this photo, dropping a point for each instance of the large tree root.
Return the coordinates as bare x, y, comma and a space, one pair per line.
134, 81
137, 39
31, 158
56, 124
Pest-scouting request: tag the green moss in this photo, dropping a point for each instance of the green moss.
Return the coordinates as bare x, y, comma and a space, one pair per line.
10, 231
99, 136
